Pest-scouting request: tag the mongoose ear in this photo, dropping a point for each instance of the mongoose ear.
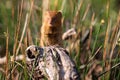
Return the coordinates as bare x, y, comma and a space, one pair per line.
59, 14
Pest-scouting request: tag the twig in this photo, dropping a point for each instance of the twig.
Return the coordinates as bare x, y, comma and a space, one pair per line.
18, 58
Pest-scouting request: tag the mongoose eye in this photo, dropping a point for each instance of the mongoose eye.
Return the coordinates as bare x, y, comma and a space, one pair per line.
53, 20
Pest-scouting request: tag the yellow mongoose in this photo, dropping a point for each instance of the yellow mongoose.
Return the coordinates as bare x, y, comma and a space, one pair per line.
51, 30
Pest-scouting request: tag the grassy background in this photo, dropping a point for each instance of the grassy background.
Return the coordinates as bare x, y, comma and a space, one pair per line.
100, 17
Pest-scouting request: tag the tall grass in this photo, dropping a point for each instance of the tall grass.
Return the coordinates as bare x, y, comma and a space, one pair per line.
21, 20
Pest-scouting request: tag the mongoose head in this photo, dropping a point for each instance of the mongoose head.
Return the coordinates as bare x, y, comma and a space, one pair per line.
53, 18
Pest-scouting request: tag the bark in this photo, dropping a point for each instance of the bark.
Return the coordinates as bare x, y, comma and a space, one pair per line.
51, 62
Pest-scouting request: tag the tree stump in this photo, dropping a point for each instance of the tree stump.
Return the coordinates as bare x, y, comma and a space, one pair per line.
51, 62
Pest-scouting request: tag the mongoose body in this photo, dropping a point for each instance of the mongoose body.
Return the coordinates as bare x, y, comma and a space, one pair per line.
51, 30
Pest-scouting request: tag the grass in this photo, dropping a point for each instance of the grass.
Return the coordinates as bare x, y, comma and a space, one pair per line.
20, 22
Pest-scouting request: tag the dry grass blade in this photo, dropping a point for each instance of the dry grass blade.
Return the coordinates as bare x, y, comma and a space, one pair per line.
114, 44
17, 30
90, 59
25, 26
117, 35
106, 41
56, 4
106, 51
109, 70
29, 38
24, 29
77, 13
106, 47
91, 29
63, 4
7, 39
45, 7
86, 11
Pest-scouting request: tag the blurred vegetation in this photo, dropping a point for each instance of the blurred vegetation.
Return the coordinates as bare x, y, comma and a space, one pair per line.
76, 13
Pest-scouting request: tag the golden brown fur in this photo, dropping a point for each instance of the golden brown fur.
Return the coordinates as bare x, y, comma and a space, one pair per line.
51, 30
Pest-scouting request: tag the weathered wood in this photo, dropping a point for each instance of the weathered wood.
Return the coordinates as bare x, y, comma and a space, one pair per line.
51, 62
